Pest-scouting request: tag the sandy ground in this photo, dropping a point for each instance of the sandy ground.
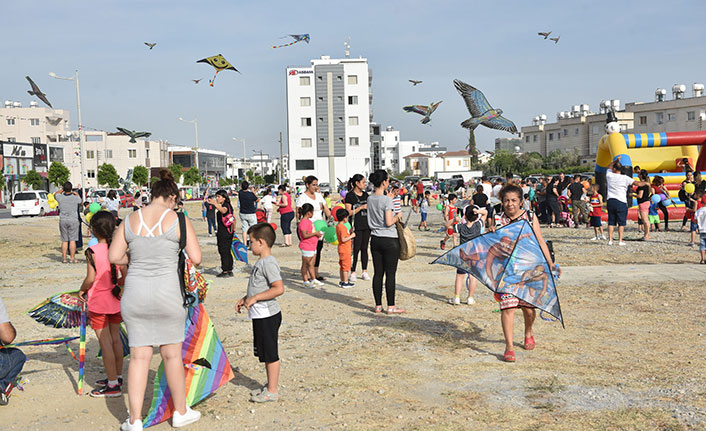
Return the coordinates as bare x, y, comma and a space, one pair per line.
628, 359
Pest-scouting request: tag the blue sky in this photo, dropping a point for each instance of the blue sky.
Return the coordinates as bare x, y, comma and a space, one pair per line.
620, 50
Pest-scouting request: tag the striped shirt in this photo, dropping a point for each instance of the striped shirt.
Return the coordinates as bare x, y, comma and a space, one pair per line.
396, 205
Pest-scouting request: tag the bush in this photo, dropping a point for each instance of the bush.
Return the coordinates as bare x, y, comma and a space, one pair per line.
58, 174
33, 180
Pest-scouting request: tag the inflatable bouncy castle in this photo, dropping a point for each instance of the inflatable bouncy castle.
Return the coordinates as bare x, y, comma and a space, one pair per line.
668, 155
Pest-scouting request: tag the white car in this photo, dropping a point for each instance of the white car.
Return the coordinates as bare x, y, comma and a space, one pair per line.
30, 202
426, 182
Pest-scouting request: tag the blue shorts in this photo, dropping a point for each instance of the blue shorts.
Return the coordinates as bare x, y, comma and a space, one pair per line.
702, 240
424, 216
461, 271
617, 212
694, 227
596, 221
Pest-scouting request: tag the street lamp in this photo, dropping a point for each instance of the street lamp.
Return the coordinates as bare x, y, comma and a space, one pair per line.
80, 126
195, 122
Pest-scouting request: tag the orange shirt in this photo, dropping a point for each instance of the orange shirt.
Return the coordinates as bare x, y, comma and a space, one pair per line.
343, 247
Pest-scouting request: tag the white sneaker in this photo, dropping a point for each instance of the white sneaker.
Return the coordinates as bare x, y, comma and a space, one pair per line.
191, 416
603, 237
365, 276
470, 301
595, 238
352, 277
610, 242
455, 300
621, 243
135, 426
317, 282
308, 285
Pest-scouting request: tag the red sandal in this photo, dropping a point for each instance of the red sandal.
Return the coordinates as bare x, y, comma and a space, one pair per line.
509, 356
529, 343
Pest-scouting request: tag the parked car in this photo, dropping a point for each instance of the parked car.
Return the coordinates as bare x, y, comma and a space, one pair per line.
426, 182
324, 187
31, 203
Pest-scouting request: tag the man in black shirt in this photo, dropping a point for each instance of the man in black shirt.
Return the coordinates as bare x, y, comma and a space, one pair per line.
579, 206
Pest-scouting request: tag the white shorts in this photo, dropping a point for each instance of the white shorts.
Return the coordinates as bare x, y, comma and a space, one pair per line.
308, 253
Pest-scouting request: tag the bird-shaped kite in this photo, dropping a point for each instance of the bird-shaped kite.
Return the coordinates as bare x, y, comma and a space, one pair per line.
481, 111
35, 91
151, 45
544, 33
297, 38
555, 39
425, 111
414, 82
219, 63
133, 134
196, 81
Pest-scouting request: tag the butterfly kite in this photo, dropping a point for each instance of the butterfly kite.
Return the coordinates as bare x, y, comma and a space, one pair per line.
219, 63
297, 38
422, 110
205, 362
133, 134
509, 261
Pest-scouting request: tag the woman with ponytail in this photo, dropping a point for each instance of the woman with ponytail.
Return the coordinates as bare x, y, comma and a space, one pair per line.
224, 233
101, 290
152, 305
357, 205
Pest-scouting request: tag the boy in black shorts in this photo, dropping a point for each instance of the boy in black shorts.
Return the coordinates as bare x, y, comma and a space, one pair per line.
264, 286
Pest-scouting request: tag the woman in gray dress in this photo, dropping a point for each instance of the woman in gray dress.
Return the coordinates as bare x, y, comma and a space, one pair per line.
152, 305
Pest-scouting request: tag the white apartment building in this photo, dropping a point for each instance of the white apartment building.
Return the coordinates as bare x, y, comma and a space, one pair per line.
328, 119
429, 166
393, 150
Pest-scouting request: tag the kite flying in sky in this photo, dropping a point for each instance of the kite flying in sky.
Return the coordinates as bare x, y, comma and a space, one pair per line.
425, 111
133, 134
481, 111
297, 38
509, 260
35, 91
151, 45
414, 82
219, 63
555, 39
544, 33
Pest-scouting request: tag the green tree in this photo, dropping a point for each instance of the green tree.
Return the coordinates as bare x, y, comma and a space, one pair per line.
33, 180
192, 177
471, 147
259, 180
224, 182
250, 174
58, 174
270, 179
108, 175
504, 161
140, 175
176, 169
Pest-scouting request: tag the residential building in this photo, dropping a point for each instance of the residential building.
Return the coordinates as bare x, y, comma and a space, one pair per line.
393, 150
455, 161
680, 114
433, 150
328, 119
211, 163
417, 164
429, 166
375, 146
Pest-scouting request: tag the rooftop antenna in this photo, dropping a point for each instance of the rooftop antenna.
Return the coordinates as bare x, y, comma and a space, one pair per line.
347, 44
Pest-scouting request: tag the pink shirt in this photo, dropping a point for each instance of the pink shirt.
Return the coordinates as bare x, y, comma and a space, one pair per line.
288, 208
100, 297
308, 244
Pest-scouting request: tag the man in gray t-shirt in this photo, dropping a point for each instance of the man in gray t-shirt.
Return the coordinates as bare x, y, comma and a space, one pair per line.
69, 226
11, 359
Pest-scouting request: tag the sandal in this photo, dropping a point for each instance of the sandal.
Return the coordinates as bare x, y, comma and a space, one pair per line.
509, 356
378, 309
529, 343
395, 310
74, 261
64, 261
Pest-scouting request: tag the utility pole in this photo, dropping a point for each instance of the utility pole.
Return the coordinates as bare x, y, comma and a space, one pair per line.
281, 160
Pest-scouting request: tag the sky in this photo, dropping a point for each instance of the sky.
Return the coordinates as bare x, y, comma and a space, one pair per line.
608, 50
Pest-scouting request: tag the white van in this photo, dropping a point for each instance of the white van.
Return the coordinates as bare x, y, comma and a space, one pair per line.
30, 202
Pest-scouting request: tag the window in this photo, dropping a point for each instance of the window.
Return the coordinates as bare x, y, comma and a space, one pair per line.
526, 138
558, 136
304, 80
534, 138
90, 173
690, 116
623, 128
352, 121
353, 142
306, 122
147, 153
132, 154
35, 140
352, 79
90, 154
382, 163
671, 117
576, 131
448, 163
397, 138
594, 129
643, 120
465, 163
659, 117
305, 101
566, 132
34, 121
305, 165
551, 136
108, 154
306, 142
11, 139
10, 121
352, 100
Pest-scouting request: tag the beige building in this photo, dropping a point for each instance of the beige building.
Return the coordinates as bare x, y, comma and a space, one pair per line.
426, 166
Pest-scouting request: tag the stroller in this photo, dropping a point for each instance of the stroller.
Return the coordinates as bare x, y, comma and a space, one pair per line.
566, 219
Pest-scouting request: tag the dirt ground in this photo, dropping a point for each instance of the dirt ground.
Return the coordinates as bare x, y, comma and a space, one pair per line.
628, 359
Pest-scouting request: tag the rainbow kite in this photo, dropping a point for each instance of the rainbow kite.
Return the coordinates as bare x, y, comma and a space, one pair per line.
62, 310
205, 362
297, 38
239, 250
82, 349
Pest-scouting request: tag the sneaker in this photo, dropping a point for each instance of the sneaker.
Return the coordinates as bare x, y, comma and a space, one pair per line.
610, 242
621, 243
308, 285
595, 238
225, 274
135, 426
352, 277
365, 276
258, 390
316, 282
455, 300
104, 382
691, 244
264, 396
5, 394
106, 392
191, 416
470, 301
320, 278
603, 237
344, 285
210, 235
442, 245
